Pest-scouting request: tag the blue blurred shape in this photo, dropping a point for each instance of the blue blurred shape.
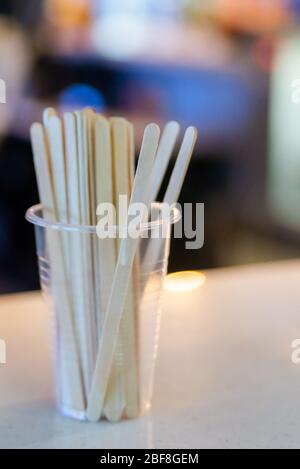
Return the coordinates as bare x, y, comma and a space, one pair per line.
295, 6
80, 95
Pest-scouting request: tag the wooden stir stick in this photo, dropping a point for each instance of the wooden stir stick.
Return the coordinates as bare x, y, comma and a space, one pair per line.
72, 391
129, 322
164, 153
104, 186
173, 191
121, 280
76, 270
124, 367
87, 319
107, 251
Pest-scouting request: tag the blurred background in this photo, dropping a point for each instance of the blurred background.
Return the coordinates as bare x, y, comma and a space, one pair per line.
230, 67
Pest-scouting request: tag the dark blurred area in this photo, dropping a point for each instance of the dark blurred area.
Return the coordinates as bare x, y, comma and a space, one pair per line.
229, 67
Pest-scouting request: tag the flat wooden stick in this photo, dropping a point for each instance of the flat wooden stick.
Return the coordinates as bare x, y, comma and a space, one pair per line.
129, 323
115, 398
121, 280
107, 251
87, 325
94, 293
47, 114
76, 271
72, 392
91, 117
72, 169
104, 187
54, 129
56, 145
181, 166
64, 384
173, 192
164, 153
95, 286
42, 170
58, 164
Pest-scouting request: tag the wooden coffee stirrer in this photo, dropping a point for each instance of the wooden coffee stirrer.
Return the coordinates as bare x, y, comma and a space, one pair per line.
115, 399
104, 188
181, 166
130, 324
94, 291
124, 178
107, 251
72, 392
47, 114
172, 194
60, 182
165, 150
100, 179
54, 129
87, 328
76, 240
105, 157
121, 280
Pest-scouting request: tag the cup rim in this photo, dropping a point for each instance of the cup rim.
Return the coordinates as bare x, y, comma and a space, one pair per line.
32, 217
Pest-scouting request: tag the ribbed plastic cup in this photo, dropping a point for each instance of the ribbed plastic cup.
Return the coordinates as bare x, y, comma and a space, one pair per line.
76, 284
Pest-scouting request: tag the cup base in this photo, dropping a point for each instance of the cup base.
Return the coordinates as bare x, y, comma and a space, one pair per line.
73, 414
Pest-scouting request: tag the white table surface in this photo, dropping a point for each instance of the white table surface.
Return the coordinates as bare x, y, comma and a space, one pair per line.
224, 378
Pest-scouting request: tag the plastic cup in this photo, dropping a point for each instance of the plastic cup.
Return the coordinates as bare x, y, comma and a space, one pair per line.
76, 271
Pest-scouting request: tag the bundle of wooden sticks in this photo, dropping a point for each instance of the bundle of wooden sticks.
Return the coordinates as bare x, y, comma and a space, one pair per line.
81, 161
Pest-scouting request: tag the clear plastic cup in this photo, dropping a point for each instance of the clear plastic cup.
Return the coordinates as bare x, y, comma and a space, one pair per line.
76, 272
